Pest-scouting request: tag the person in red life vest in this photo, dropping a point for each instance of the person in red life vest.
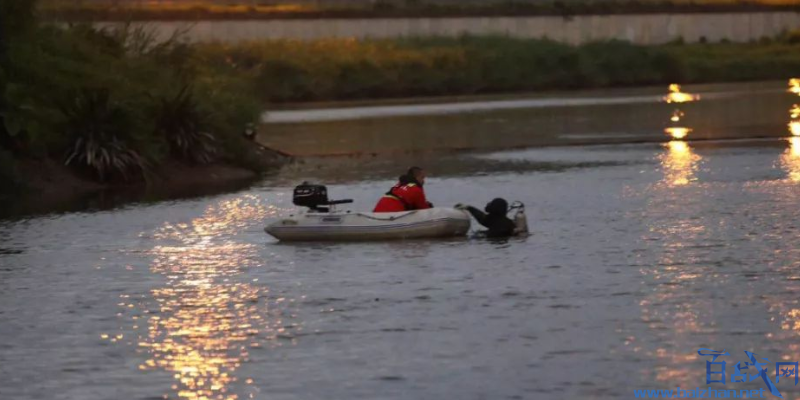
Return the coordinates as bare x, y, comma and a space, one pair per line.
406, 195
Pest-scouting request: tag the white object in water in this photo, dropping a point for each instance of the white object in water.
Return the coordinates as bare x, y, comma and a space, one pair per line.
347, 226
520, 219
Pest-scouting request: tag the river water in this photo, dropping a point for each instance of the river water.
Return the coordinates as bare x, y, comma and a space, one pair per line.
640, 255
728, 111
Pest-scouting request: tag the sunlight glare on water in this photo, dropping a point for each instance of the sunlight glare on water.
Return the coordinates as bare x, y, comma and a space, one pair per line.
791, 159
678, 132
677, 96
208, 317
679, 163
794, 120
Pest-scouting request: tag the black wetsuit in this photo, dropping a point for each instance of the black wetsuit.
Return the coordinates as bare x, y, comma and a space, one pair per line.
499, 225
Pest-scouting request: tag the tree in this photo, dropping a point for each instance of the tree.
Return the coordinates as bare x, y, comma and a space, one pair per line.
16, 20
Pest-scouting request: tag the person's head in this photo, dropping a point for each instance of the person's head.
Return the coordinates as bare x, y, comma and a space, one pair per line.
497, 206
417, 173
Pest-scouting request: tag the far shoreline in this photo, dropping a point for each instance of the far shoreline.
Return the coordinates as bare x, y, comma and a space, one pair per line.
211, 11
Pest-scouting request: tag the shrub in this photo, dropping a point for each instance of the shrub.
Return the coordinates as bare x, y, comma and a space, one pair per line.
792, 36
285, 80
101, 133
16, 18
620, 63
9, 179
111, 102
186, 128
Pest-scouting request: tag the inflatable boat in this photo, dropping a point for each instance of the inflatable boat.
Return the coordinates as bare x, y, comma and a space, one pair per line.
350, 226
323, 223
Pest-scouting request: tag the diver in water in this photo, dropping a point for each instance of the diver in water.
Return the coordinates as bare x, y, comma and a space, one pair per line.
495, 218
408, 194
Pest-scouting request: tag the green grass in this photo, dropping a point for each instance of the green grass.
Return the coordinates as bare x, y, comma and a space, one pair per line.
296, 71
728, 62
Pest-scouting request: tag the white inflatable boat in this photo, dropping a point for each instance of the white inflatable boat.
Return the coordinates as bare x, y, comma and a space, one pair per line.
352, 226
323, 223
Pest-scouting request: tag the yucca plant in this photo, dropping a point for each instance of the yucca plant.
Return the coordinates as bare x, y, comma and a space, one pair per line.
186, 127
101, 134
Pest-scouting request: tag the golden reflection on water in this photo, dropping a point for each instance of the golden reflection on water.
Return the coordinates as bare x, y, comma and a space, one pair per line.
788, 311
670, 308
794, 85
677, 96
794, 128
790, 160
794, 120
679, 163
209, 317
791, 319
678, 132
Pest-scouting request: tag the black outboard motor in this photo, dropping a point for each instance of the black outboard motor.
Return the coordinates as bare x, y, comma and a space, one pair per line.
315, 197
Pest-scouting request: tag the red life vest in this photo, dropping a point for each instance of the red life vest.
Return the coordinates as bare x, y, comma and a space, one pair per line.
403, 197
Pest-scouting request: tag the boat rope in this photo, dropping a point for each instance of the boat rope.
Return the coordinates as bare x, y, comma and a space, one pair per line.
392, 218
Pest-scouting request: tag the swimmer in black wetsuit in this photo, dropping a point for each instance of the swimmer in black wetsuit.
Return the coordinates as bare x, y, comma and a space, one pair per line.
495, 218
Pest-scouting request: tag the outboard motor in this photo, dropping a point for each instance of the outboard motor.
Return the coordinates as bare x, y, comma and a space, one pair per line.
315, 197
520, 219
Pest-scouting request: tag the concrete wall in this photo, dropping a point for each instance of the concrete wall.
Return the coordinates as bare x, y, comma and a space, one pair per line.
643, 29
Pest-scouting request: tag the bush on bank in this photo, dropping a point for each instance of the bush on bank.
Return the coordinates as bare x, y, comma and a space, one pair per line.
731, 62
335, 69
113, 104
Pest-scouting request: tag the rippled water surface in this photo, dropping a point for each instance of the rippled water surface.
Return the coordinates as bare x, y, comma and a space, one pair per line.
640, 255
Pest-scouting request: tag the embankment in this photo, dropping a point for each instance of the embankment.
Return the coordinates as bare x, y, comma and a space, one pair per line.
345, 69
645, 29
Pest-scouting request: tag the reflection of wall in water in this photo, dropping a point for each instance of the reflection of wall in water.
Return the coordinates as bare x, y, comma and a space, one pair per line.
749, 113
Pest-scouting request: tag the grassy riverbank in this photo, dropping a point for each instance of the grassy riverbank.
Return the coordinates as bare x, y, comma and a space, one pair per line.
114, 107
111, 10
296, 71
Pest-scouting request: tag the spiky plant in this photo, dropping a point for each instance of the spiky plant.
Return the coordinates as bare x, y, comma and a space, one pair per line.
101, 134
186, 127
